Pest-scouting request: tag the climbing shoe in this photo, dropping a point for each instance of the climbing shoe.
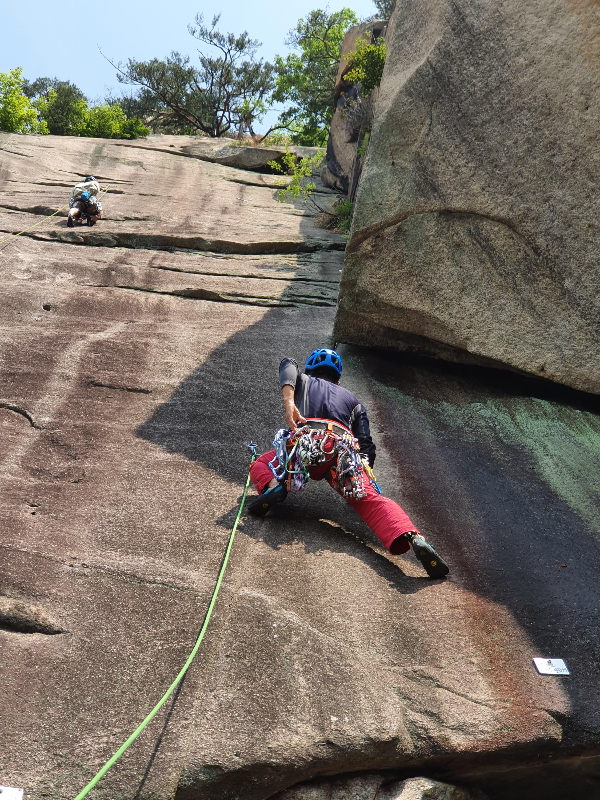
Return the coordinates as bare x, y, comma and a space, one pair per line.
70, 222
433, 565
90, 222
261, 504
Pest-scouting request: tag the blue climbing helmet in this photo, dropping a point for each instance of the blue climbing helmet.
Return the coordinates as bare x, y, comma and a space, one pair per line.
324, 357
89, 178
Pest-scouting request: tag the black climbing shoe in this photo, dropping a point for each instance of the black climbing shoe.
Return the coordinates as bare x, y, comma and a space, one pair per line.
261, 504
70, 222
433, 565
90, 222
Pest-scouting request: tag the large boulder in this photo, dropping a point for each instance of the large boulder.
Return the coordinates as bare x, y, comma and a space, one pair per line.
241, 155
341, 169
476, 233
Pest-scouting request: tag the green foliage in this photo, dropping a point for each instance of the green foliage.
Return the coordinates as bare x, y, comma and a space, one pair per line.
17, 114
228, 90
109, 122
362, 147
63, 108
251, 110
134, 128
384, 8
343, 212
63, 111
60, 104
277, 138
306, 79
366, 65
301, 171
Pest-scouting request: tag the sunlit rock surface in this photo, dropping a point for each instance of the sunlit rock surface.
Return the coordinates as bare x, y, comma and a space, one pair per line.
138, 359
476, 234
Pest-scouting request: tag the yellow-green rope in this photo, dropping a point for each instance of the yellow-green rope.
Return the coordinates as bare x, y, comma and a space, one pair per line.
185, 667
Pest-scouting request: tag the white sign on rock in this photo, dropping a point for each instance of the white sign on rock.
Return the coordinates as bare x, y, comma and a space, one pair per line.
549, 666
10, 793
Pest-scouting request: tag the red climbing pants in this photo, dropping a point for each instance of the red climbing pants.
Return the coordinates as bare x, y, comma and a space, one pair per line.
385, 517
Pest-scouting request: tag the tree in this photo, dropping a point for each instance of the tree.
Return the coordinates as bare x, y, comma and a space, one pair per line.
109, 122
143, 106
63, 108
60, 104
17, 114
366, 65
228, 90
306, 80
384, 8
301, 171
38, 87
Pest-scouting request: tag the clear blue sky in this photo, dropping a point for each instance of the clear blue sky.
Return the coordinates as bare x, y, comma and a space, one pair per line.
61, 39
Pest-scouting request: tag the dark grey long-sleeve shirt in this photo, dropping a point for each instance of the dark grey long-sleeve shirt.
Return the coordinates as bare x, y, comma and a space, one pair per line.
315, 397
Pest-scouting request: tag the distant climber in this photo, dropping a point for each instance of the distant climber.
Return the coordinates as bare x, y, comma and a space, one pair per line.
328, 437
84, 203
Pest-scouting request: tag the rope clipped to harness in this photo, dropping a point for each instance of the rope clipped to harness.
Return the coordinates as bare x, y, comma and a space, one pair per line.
297, 451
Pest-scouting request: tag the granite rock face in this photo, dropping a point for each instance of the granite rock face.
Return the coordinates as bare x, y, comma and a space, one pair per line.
476, 233
138, 358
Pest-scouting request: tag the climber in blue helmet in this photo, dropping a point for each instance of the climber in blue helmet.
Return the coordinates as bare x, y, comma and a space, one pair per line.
328, 436
84, 203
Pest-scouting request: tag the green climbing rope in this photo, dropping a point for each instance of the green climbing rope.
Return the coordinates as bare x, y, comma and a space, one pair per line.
185, 667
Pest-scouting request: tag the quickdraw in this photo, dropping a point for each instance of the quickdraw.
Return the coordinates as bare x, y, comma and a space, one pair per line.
296, 451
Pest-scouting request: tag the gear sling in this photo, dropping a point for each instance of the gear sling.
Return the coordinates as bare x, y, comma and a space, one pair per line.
326, 449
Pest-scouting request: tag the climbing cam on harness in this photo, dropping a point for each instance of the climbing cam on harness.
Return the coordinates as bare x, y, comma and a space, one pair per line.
297, 451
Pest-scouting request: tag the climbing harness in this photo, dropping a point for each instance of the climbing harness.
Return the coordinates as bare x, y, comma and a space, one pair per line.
31, 227
308, 446
252, 447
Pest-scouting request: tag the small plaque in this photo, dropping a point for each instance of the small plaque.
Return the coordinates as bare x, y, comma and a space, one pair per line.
545, 666
10, 793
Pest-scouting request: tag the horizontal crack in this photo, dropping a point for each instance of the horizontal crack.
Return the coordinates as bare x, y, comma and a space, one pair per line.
22, 412
135, 389
249, 182
171, 152
42, 211
255, 276
199, 243
206, 294
14, 153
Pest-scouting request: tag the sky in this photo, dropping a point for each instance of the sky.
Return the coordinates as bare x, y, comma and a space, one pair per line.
63, 40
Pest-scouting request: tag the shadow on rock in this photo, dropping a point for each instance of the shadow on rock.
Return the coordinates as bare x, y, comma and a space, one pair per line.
234, 397
503, 471
301, 520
